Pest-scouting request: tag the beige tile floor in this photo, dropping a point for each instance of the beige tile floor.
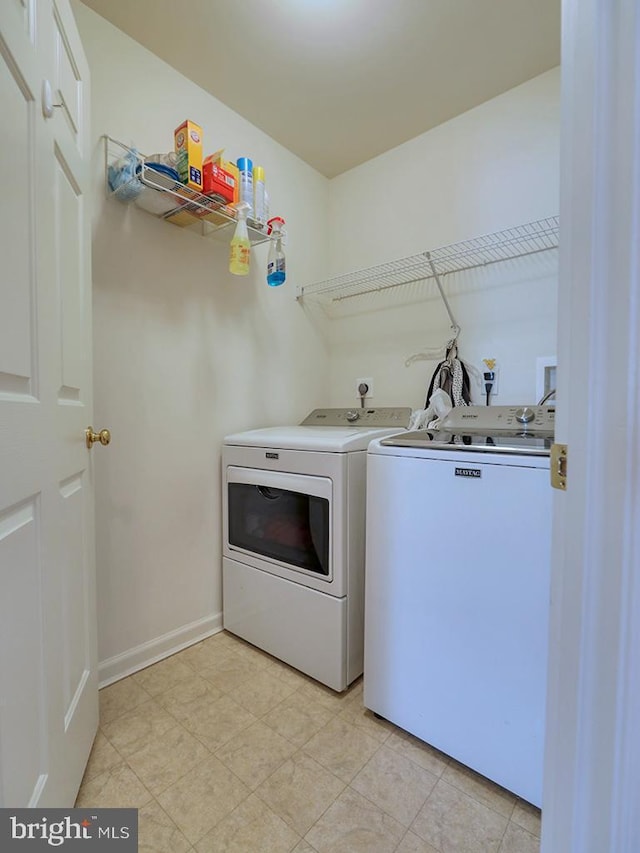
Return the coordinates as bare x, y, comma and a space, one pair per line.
224, 749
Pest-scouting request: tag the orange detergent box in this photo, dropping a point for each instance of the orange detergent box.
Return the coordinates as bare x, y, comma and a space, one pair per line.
231, 169
218, 181
188, 147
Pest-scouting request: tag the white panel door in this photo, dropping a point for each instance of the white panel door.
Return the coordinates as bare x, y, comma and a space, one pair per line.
48, 672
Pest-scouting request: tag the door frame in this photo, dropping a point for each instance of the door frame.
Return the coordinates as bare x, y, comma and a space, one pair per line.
592, 767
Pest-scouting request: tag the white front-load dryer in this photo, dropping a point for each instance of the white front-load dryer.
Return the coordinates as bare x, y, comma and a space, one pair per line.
294, 536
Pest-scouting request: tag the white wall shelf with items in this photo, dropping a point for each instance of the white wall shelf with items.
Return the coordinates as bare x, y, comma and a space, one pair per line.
520, 241
151, 184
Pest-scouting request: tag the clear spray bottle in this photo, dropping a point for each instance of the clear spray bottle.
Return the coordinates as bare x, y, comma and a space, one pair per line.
276, 265
240, 250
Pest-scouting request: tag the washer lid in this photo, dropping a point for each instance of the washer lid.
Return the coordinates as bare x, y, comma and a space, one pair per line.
327, 439
522, 444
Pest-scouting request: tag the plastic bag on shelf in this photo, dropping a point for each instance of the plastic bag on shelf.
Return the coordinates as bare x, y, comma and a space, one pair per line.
122, 176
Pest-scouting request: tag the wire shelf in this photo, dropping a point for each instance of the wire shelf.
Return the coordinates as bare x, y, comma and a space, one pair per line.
518, 242
164, 198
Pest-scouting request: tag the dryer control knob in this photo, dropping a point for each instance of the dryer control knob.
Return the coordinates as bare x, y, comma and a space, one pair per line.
525, 416
353, 415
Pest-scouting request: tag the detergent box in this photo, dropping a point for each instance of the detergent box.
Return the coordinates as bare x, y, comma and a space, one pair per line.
216, 180
231, 169
188, 147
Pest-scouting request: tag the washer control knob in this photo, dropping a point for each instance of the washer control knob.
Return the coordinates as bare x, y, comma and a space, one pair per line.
525, 416
352, 415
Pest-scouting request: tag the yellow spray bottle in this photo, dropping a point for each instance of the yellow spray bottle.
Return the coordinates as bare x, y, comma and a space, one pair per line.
240, 252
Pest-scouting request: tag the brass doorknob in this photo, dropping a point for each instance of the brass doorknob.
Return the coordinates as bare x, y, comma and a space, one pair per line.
104, 437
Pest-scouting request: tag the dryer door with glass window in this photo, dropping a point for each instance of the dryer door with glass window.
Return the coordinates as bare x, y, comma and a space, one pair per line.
281, 523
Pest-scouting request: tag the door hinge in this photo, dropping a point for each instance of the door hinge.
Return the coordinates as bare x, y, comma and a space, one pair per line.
559, 466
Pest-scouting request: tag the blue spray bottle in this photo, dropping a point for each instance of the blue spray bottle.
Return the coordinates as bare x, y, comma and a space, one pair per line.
276, 265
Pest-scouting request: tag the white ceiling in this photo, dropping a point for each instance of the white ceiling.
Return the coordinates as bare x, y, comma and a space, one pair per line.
339, 81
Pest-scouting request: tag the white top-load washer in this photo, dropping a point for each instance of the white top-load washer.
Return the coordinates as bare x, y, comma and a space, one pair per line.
457, 588
294, 536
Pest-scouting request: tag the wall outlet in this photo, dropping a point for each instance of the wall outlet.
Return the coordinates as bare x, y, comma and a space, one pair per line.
545, 376
496, 383
369, 383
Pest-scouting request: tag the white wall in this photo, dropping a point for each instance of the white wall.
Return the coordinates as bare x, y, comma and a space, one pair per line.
184, 354
494, 167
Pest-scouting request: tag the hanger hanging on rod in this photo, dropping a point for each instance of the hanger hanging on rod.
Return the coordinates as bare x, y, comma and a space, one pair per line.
435, 353
445, 350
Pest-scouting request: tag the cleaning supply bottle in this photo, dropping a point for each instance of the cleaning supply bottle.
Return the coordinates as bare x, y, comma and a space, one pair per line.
259, 210
240, 251
276, 266
245, 167
266, 205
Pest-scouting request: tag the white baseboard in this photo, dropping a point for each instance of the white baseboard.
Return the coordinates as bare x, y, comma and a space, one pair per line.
133, 660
